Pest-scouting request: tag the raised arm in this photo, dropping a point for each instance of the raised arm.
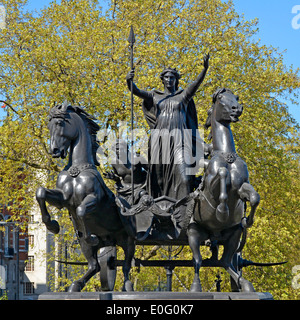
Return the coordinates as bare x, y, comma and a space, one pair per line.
192, 88
136, 91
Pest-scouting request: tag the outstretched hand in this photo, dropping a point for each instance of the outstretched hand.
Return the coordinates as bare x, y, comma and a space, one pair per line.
206, 61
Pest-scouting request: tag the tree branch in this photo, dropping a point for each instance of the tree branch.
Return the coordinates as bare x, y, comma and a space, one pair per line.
14, 110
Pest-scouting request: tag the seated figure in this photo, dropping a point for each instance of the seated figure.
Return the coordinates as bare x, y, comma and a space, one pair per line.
121, 174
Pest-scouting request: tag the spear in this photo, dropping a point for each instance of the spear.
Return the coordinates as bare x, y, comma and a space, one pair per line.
131, 41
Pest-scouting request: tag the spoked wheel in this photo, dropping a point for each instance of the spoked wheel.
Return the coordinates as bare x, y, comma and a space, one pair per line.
108, 272
236, 263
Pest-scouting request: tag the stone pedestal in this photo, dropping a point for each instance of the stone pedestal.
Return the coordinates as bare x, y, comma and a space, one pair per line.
112, 295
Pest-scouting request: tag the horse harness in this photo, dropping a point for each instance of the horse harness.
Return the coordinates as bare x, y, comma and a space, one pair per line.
74, 171
229, 157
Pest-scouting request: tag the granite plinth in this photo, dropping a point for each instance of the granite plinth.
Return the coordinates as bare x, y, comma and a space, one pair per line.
112, 295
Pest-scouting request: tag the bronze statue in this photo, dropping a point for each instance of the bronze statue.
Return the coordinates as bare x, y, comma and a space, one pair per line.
156, 203
171, 111
219, 212
81, 189
122, 174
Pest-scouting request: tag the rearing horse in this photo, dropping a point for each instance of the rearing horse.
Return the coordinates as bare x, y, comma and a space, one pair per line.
220, 202
81, 189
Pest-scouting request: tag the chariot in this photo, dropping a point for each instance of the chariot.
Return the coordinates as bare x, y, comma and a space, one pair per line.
160, 204
213, 214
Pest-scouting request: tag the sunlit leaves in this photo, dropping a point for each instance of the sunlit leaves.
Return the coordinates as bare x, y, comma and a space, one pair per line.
78, 51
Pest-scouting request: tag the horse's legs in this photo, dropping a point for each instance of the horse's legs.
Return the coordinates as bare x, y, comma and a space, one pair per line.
222, 211
195, 237
90, 253
214, 248
230, 247
231, 244
128, 246
240, 282
53, 197
216, 184
87, 206
247, 192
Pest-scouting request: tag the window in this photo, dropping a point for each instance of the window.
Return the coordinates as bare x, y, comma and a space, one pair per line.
31, 240
28, 287
14, 273
6, 237
1, 239
30, 264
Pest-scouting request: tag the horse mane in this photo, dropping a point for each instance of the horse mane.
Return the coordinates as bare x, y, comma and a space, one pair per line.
210, 111
61, 111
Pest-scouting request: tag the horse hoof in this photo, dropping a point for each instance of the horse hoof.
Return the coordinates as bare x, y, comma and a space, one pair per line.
246, 286
128, 287
76, 286
92, 240
196, 286
53, 226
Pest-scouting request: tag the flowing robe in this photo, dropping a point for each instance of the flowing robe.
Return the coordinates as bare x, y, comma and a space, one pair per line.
174, 127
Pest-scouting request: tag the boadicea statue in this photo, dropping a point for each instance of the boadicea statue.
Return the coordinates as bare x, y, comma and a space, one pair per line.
81, 189
172, 110
161, 202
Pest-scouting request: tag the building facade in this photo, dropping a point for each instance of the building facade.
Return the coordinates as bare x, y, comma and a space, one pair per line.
36, 270
13, 256
23, 257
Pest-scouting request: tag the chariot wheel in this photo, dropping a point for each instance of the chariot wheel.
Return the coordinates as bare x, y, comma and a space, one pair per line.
108, 272
236, 263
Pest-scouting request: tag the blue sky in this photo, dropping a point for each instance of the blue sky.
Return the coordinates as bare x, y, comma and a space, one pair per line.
275, 28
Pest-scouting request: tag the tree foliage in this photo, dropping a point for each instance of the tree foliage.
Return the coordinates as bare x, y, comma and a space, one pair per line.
78, 51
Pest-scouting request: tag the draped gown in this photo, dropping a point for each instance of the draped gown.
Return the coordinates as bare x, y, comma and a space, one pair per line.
174, 138
171, 145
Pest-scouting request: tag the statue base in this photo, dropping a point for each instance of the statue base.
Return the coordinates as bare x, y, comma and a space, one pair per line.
151, 296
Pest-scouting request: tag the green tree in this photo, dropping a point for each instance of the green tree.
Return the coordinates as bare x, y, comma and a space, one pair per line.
78, 51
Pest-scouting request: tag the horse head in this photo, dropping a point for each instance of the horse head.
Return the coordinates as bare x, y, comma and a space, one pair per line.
62, 130
66, 124
225, 108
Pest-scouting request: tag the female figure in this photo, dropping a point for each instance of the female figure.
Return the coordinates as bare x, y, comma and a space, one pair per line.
172, 118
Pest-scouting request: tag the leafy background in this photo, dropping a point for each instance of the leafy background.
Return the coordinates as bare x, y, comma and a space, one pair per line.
78, 51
